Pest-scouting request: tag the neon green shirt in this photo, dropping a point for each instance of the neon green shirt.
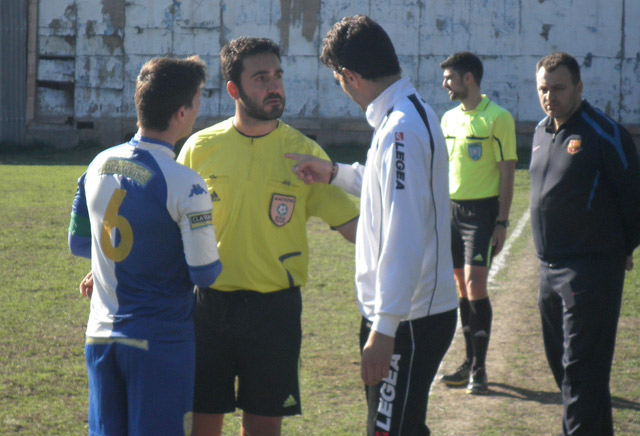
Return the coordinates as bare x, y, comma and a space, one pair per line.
260, 208
477, 140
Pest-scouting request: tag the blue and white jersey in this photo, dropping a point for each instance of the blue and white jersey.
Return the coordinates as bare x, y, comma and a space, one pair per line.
145, 222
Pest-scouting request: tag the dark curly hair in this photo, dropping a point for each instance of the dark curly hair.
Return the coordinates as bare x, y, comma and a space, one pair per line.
360, 44
233, 53
465, 62
557, 59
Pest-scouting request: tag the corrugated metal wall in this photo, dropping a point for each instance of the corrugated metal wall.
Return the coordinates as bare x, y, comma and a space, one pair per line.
13, 64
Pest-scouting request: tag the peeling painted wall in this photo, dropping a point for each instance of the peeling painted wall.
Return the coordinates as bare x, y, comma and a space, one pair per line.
90, 51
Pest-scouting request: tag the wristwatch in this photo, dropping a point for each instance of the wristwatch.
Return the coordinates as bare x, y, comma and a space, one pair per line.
504, 223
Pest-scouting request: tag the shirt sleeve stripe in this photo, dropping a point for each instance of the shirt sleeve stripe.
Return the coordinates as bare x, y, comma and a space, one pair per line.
613, 140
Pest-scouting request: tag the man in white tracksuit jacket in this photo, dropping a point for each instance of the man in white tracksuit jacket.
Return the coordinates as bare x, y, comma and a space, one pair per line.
404, 273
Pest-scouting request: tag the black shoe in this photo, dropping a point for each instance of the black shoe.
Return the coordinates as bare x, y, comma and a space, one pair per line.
478, 382
458, 378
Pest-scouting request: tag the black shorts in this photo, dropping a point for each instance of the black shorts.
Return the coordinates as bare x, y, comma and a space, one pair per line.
472, 225
255, 337
398, 405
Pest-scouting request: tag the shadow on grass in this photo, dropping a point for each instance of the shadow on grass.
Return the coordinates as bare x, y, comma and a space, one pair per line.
504, 390
622, 403
542, 397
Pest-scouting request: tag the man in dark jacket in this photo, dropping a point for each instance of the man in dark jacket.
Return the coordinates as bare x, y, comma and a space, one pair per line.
585, 213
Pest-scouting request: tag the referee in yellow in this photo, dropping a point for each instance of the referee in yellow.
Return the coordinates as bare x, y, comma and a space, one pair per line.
248, 327
481, 141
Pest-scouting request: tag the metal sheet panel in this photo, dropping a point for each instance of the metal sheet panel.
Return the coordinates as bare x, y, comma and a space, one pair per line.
13, 70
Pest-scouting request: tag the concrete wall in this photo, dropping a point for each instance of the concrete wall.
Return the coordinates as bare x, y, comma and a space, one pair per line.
89, 53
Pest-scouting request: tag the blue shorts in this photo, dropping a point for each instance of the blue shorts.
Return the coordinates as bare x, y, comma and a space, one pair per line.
139, 387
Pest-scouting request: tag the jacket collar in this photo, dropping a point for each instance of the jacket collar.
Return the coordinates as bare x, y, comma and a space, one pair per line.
378, 108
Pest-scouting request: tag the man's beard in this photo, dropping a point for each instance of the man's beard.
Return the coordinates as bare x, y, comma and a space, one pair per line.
252, 109
459, 95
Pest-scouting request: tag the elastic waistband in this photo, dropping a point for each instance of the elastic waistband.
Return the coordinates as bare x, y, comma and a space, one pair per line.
143, 344
562, 262
488, 200
247, 292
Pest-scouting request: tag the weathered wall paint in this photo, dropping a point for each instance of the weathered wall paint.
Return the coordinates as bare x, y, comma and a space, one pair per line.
94, 50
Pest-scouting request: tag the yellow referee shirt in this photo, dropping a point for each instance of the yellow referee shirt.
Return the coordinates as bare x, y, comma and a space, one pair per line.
260, 208
477, 140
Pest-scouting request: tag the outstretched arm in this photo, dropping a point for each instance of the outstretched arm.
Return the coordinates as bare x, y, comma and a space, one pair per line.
311, 169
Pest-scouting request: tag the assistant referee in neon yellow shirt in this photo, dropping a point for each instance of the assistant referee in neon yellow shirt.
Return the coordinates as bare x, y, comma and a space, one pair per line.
481, 141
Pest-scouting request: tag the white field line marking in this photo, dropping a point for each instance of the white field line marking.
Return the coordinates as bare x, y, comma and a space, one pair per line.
497, 265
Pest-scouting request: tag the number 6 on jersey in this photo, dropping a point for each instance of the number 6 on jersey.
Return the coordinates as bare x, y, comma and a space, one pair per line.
113, 221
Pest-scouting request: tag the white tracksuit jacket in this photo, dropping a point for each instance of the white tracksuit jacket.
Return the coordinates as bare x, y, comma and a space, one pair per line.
403, 244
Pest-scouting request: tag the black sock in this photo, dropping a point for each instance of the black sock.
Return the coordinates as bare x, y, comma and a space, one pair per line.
480, 326
463, 303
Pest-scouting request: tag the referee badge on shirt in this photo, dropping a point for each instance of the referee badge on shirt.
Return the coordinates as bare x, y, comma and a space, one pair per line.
574, 146
475, 150
281, 209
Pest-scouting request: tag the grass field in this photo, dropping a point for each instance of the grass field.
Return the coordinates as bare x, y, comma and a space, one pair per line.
43, 387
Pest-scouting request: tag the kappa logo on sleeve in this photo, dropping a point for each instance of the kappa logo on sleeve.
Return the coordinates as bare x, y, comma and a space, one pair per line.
200, 219
281, 209
197, 190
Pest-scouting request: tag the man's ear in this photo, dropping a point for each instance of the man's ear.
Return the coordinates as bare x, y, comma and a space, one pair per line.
232, 90
468, 78
180, 113
351, 77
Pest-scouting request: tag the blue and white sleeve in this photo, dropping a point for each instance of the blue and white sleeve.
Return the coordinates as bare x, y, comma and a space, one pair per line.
198, 234
80, 227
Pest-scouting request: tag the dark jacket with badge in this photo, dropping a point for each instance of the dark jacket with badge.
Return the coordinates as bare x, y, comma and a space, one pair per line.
585, 188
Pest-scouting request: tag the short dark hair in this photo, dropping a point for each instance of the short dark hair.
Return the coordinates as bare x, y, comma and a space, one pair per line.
557, 59
163, 86
360, 44
234, 53
464, 62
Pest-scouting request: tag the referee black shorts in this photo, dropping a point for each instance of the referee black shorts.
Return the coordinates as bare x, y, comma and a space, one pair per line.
472, 225
254, 337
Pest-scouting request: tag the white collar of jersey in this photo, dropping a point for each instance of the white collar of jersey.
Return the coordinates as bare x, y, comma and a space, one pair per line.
152, 144
378, 108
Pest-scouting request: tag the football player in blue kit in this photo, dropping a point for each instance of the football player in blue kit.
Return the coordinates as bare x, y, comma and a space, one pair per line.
145, 222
